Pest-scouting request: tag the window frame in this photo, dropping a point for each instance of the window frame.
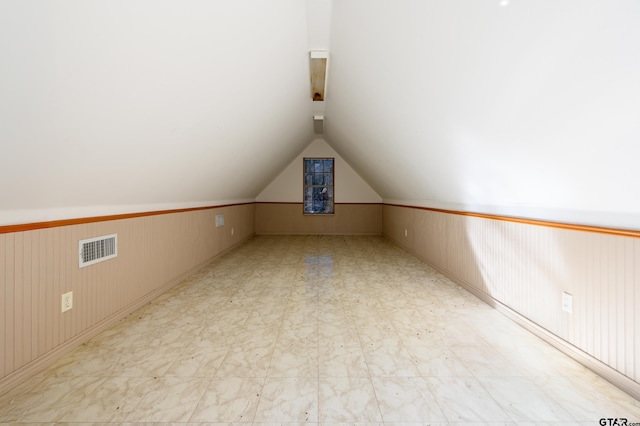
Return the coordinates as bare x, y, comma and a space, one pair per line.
331, 189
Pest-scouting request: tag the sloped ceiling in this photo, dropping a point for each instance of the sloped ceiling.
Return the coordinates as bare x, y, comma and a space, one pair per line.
117, 106
287, 187
520, 107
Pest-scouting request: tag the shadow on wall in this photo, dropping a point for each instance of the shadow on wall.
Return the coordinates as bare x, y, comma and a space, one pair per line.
520, 266
526, 268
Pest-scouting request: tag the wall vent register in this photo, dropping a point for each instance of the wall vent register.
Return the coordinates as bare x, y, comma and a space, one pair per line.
98, 249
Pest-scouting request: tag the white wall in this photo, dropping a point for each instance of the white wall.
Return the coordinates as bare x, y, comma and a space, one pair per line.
526, 110
117, 106
349, 186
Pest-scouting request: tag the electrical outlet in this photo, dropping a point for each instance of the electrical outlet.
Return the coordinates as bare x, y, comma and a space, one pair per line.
67, 301
567, 302
219, 220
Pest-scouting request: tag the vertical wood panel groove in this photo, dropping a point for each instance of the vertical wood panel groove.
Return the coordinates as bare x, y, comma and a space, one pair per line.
18, 349
634, 302
47, 279
4, 301
10, 303
27, 296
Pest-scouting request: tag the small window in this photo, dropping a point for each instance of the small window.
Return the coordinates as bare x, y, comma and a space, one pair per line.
318, 185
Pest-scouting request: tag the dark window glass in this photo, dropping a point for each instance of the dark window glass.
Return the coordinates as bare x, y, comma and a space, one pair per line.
318, 185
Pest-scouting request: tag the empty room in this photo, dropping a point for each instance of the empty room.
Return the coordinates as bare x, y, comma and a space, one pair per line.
322, 212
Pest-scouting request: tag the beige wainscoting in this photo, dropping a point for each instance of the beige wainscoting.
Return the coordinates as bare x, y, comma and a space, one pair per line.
37, 266
522, 269
288, 219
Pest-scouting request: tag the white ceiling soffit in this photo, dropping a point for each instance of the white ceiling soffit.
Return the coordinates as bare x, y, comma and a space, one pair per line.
319, 30
525, 108
117, 103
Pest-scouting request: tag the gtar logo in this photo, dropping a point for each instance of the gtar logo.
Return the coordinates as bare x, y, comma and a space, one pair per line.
613, 422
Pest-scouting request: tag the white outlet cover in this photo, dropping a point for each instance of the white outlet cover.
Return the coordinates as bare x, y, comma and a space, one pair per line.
567, 302
67, 301
219, 220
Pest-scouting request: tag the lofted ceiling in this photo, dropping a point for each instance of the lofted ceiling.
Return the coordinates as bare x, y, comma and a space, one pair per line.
117, 106
518, 107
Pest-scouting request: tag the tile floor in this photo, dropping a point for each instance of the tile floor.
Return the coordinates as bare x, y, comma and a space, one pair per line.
317, 330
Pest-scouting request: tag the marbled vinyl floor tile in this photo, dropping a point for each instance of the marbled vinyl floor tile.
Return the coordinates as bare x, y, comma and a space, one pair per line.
485, 361
148, 361
464, 399
348, 400
246, 362
406, 399
576, 396
523, 400
54, 397
389, 361
288, 400
94, 361
170, 400
232, 400
111, 401
200, 360
437, 361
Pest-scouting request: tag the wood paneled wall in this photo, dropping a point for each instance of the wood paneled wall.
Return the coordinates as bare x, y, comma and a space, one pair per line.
38, 266
525, 268
288, 219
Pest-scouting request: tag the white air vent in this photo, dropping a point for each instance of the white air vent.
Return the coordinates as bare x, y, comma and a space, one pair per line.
97, 249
